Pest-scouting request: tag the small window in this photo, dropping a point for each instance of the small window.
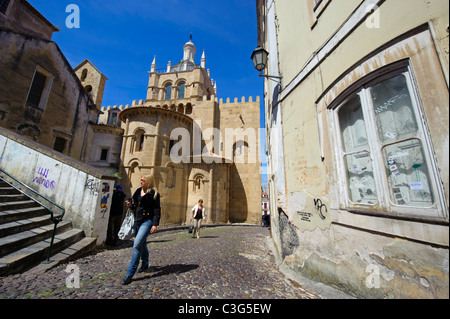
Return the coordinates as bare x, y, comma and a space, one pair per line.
104, 154
4, 5
138, 141
198, 182
84, 75
113, 119
141, 143
36, 90
181, 90
171, 144
60, 144
168, 92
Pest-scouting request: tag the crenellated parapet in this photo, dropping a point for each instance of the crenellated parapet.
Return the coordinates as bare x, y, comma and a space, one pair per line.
236, 100
183, 106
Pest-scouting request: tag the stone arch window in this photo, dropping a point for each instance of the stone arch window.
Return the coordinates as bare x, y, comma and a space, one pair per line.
240, 150
84, 75
198, 182
181, 90
189, 108
180, 108
137, 144
168, 91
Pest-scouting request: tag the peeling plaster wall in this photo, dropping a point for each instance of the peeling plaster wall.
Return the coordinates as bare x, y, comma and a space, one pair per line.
370, 265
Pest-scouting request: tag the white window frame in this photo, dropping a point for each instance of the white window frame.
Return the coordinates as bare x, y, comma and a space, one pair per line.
384, 205
45, 92
316, 9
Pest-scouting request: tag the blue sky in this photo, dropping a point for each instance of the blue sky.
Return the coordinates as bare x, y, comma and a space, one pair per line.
121, 38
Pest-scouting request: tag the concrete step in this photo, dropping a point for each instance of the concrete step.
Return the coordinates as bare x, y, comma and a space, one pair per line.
27, 203
25, 234
77, 250
34, 254
24, 224
23, 239
9, 216
12, 198
7, 190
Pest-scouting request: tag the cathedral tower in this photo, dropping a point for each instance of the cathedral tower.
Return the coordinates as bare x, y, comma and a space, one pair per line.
181, 98
92, 79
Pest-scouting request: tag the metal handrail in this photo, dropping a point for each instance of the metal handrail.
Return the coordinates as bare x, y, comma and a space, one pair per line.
55, 220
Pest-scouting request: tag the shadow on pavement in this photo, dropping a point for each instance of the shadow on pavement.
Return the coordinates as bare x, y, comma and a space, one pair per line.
167, 270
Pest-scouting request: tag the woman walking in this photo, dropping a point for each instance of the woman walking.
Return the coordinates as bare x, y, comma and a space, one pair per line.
198, 213
146, 203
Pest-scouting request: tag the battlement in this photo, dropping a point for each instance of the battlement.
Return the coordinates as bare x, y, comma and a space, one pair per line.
236, 100
121, 107
170, 102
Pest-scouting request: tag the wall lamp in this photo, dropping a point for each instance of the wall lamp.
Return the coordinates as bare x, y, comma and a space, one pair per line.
259, 58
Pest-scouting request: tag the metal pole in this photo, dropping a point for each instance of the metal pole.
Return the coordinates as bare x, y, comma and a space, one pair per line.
51, 243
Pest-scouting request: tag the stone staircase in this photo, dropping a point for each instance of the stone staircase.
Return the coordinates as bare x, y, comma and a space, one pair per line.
25, 234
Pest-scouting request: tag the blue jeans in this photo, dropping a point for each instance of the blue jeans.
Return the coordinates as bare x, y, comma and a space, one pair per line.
140, 250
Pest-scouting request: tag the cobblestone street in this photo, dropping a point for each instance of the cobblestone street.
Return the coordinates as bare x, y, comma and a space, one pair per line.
226, 262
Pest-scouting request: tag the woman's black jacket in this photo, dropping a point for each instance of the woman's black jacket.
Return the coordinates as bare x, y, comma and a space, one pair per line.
148, 207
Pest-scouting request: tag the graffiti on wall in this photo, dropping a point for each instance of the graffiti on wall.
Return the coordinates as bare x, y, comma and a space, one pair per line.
319, 206
320, 210
93, 185
41, 178
104, 200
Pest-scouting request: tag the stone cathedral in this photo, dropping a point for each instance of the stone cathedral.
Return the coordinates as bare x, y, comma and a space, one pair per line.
196, 145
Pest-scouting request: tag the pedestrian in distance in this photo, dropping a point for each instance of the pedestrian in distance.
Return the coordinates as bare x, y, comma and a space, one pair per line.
266, 219
146, 204
115, 216
198, 214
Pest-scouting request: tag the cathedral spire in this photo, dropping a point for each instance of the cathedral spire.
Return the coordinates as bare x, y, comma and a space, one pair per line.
153, 68
203, 62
